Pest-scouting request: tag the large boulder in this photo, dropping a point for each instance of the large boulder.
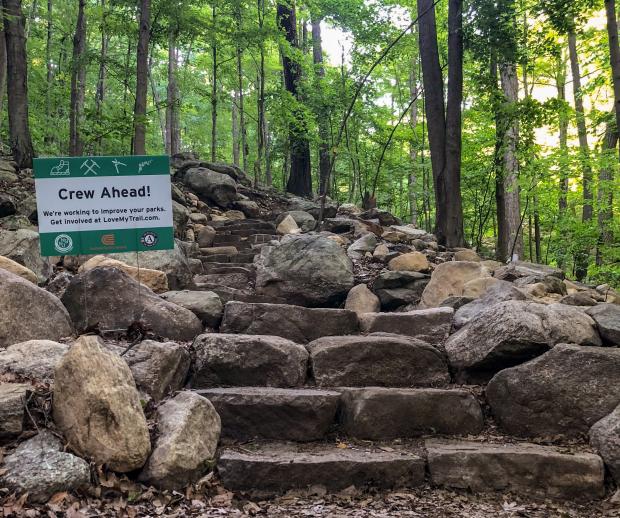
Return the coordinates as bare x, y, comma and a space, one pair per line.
22, 246
28, 312
97, 406
228, 359
448, 280
307, 270
188, 432
18, 269
154, 279
607, 318
206, 305
509, 333
564, 391
296, 323
34, 360
605, 438
13, 397
40, 468
218, 188
108, 297
158, 368
173, 263
376, 360
501, 291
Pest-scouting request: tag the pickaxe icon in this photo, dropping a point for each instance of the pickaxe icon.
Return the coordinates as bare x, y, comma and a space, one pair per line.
90, 166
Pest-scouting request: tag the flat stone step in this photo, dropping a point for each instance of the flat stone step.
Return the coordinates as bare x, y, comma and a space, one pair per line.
226, 239
296, 323
277, 468
520, 468
388, 413
228, 294
262, 238
219, 250
376, 360
245, 256
223, 268
274, 413
429, 325
237, 280
219, 258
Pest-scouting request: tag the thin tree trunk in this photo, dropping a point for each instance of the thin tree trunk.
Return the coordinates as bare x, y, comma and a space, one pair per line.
537, 230
614, 54
17, 83
157, 100
513, 237
142, 57
242, 127
413, 149
300, 177
563, 126
235, 129
214, 90
605, 192
78, 78
103, 57
322, 115
49, 74
268, 176
581, 261
260, 101
173, 138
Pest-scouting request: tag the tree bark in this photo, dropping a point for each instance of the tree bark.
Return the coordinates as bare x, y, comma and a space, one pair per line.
512, 236
49, 74
614, 54
142, 56
260, 99
605, 192
103, 57
235, 129
17, 83
78, 78
173, 138
242, 127
214, 91
322, 114
563, 129
412, 179
300, 177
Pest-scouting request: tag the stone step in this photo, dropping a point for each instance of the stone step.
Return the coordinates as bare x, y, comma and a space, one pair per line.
429, 325
219, 250
262, 238
274, 413
218, 258
237, 280
276, 468
228, 294
387, 413
297, 323
223, 268
376, 360
226, 239
245, 256
516, 468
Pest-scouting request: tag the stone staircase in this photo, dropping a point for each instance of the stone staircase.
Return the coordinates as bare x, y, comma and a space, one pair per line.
313, 396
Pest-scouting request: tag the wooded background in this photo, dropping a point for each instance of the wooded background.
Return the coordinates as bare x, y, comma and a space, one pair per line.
493, 124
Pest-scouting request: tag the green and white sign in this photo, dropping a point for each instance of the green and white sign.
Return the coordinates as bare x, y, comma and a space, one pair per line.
104, 204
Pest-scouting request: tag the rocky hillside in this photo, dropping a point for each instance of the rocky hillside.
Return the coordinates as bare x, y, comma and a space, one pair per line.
263, 355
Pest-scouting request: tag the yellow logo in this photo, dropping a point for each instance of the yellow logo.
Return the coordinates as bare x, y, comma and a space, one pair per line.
108, 239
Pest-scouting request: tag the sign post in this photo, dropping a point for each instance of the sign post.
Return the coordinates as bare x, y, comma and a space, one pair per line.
103, 205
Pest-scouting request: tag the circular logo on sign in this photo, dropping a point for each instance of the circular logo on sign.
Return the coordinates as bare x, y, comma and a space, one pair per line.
63, 243
149, 239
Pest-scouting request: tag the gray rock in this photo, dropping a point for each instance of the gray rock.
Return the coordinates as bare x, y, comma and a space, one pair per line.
13, 397
381, 413
274, 413
34, 360
509, 333
305, 221
218, 188
607, 318
296, 323
363, 245
448, 279
396, 289
429, 325
228, 359
376, 360
108, 297
283, 467
188, 432
23, 247
7, 206
40, 468
206, 235
578, 299
515, 468
180, 217
59, 283
499, 292
605, 438
313, 208
564, 391
158, 368
248, 207
519, 269
28, 312
206, 305
361, 300
308, 270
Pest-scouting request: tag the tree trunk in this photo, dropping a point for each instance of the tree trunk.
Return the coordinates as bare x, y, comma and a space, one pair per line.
49, 74
214, 92
413, 149
157, 101
242, 128
142, 57
235, 129
260, 100
563, 126
605, 192
173, 138
512, 236
101, 80
322, 115
17, 83
452, 226
614, 54
78, 78
300, 177
581, 262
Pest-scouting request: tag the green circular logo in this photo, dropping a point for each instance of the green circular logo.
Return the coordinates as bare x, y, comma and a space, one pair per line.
63, 243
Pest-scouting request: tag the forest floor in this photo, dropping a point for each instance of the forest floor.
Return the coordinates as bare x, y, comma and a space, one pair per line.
215, 501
